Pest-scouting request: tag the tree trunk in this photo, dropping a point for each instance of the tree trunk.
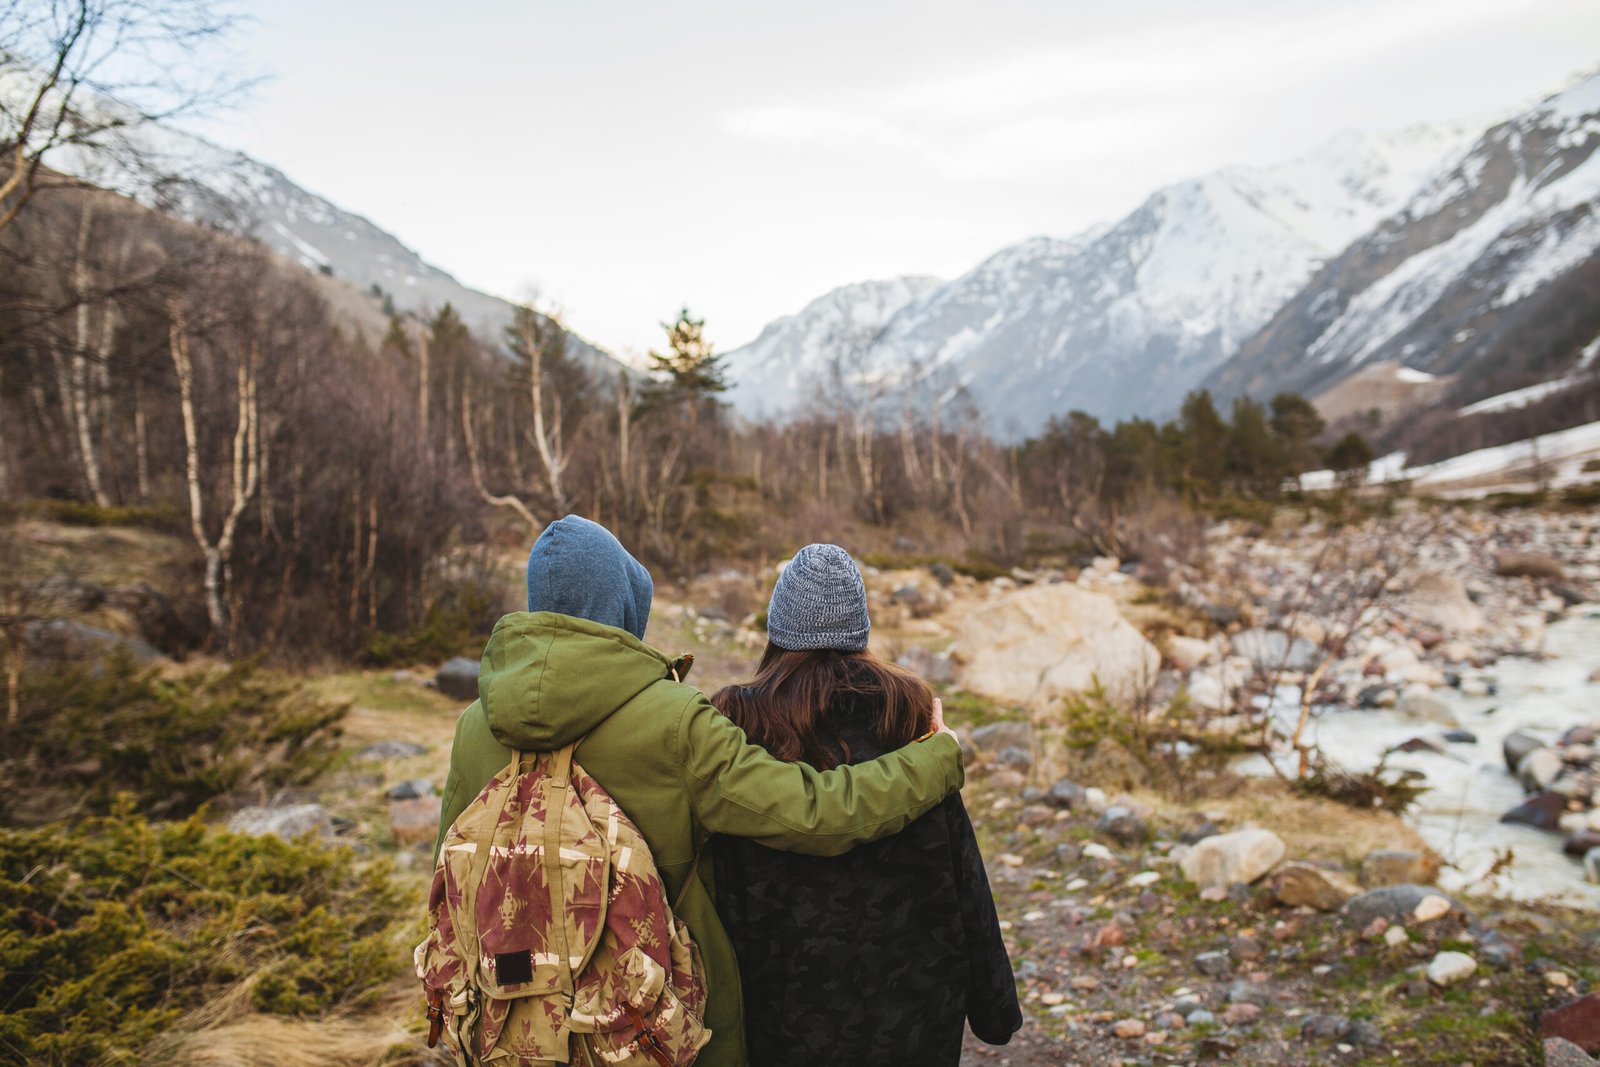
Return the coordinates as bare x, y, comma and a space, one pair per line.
244, 465
79, 381
141, 444
422, 386
507, 501
546, 437
372, 557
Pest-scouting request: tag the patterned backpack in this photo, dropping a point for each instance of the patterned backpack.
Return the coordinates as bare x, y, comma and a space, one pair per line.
531, 963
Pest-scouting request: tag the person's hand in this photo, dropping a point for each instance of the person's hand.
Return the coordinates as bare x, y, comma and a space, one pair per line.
939, 723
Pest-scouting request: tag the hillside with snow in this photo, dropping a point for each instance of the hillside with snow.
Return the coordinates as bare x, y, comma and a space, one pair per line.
191, 177
1489, 273
796, 359
1125, 319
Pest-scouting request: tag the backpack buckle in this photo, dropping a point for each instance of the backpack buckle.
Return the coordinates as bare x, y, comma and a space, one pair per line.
435, 1015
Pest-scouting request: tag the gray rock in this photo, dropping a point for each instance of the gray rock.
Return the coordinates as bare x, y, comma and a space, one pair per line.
1392, 902
1015, 757
1516, 746
998, 735
1213, 964
1559, 1052
1591, 865
1542, 811
1245, 948
382, 750
1451, 968
1187, 1006
1317, 1027
458, 678
1201, 1017
1246, 992
1418, 702
942, 573
1066, 795
1363, 1034
1461, 737
411, 789
288, 822
934, 668
1539, 768
1122, 824
1274, 650
1398, 866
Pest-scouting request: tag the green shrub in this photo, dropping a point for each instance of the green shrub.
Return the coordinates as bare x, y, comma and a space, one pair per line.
111, 929
456, 625
89, 732
1167, 746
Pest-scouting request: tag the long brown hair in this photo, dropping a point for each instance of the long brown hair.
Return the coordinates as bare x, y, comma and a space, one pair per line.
784, 707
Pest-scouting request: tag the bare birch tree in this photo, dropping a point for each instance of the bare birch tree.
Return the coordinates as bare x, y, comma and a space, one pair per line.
244, 469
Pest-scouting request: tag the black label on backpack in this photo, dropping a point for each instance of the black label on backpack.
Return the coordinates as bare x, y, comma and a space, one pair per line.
513, 967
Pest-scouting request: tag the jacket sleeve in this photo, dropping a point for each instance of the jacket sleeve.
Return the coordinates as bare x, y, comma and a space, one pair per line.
738, 788
992, 1008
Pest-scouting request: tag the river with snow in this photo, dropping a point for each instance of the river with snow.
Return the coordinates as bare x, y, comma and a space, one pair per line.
1469, 787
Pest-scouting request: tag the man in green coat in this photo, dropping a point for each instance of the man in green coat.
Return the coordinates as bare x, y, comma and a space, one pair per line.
575, 666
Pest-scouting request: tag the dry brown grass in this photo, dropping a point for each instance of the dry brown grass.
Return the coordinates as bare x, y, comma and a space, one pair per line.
230, 1037
1313, 827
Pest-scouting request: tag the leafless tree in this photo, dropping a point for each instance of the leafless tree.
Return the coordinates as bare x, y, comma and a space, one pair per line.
81, 80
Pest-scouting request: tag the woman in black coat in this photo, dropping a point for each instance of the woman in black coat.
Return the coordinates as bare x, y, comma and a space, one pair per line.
880, 956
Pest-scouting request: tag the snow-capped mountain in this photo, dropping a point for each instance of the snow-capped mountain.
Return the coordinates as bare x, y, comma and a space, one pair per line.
1488, 273
1126, 318
795, 356
195, 179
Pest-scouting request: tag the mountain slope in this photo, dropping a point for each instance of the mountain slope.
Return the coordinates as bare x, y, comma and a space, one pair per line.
1479, 276
794, 357
1125, 319
199, 181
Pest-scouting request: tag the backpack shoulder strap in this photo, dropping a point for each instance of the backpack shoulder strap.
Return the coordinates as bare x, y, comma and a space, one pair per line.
560, 783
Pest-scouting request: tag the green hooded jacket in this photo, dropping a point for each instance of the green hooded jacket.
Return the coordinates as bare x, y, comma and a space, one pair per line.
680, 770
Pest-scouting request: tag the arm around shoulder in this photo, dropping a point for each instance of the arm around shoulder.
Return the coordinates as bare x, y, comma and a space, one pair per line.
738, 788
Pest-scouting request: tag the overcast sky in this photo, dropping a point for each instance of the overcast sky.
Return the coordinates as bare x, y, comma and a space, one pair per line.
626, 158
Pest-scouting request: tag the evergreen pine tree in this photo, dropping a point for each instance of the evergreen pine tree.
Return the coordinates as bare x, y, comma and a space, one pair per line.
689, 376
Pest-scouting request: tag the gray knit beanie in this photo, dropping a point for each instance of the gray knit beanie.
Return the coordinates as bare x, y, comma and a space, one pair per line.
820, 601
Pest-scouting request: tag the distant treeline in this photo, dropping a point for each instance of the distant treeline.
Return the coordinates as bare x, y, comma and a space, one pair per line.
325, 478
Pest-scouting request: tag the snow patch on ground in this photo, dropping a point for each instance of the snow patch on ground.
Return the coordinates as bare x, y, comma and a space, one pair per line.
1518, 398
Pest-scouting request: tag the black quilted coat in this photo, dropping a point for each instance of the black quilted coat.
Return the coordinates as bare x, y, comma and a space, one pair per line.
877, 957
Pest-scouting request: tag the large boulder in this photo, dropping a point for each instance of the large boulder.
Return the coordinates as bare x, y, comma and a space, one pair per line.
1242, 856
1032, 647
458, 678
1439, 599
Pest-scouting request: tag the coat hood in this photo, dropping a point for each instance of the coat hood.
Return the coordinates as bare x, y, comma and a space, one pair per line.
578, 568
548, 679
